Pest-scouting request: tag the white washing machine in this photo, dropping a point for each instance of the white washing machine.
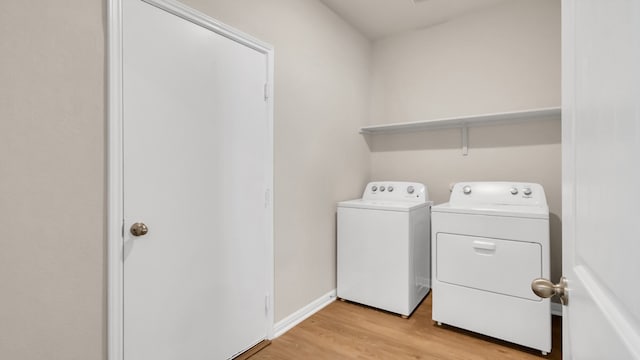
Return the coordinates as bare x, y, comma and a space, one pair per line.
489, 242
384, 246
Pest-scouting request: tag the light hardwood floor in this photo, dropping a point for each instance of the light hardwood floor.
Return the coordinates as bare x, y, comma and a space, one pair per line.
345, 330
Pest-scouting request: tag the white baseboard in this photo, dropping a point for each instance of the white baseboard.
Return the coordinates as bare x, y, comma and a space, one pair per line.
556, 309
299, 316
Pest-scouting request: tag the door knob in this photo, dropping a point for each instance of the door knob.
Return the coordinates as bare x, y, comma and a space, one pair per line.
546, 289
139, 229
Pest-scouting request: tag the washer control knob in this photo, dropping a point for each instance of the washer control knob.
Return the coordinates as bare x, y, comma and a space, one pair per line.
374, 188
410, 189
514, 191
390, 188
381, 188
466, 190
526, 191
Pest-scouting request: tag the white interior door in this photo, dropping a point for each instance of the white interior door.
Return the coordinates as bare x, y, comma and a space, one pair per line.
601, 178
196, 170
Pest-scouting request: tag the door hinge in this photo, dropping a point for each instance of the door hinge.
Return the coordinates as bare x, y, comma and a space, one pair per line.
266, 92
267, 198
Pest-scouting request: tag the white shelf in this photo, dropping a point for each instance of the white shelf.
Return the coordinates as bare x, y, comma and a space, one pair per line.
464, 121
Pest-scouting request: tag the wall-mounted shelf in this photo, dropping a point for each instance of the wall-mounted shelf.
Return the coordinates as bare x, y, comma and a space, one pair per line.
464, 122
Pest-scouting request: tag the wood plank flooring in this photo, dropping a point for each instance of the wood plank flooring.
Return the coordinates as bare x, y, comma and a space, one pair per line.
345, 330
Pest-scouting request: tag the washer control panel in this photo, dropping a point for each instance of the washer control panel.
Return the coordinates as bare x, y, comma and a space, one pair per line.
504, 193
396, 190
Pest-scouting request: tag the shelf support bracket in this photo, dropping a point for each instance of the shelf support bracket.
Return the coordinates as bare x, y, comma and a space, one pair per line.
465, 140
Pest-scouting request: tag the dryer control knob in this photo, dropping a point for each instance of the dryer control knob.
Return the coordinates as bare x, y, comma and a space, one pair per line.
466, 190
374, 188
390, 188
514, 191
381, 188
410, 189
526, 191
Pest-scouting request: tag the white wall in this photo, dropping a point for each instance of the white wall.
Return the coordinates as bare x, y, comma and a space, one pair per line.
499, 59
52, 180
504, 58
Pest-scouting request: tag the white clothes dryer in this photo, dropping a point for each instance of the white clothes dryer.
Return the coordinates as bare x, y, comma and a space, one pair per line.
489, 243
383, 246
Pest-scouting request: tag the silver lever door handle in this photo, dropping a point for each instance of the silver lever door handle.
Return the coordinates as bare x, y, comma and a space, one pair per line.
546, 289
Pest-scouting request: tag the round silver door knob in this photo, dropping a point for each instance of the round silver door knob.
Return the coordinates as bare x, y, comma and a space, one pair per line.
139, 229
546, 289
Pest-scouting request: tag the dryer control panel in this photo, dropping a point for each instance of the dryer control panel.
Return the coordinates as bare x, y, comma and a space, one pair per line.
396, 191
497, 193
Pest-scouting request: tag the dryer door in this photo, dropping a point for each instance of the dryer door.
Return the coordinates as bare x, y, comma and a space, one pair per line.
500, 266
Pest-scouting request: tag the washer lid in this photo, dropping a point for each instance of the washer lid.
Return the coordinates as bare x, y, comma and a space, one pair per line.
521, 211
382, 205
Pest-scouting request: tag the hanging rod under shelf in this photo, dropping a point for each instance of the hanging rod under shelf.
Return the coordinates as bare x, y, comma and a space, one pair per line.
464, 121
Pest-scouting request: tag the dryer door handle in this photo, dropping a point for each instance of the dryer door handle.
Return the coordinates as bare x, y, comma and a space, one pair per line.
484, 246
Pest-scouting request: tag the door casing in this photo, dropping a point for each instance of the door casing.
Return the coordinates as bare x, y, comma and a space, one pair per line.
115, 194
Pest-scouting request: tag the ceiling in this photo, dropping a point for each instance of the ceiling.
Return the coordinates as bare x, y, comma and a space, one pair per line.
379, 18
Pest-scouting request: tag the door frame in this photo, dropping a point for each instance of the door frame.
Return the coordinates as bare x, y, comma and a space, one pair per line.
568, 155
115, 193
